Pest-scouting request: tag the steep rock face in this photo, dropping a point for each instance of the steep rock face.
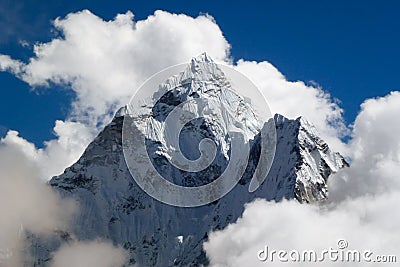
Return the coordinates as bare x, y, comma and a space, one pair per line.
311, 157
114, 207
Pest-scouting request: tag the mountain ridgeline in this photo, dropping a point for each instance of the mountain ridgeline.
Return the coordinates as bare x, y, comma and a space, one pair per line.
113, 207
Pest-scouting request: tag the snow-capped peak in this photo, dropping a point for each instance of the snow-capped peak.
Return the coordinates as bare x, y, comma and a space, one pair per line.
114, 207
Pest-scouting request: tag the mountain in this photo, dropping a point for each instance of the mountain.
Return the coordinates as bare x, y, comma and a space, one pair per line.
114, 207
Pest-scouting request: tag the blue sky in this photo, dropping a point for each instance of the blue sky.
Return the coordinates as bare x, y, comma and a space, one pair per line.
350, 49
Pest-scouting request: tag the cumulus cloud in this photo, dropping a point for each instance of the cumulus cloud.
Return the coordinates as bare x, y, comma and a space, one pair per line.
72, 139
375, 150
105, 61
26, 204
90, 253
363, 208
9, 64
292, 226
294, 99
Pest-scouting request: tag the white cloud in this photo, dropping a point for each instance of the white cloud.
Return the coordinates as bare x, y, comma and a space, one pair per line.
105, 61
375, 150
87, 254
363, 209
57, 154
288, 226
294, 99
26, 203
9, 64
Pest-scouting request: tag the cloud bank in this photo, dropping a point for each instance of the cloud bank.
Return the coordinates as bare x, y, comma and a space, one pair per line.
26, 205
93, 253
375, 147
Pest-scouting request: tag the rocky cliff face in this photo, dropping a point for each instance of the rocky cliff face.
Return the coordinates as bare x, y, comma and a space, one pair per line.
114, 207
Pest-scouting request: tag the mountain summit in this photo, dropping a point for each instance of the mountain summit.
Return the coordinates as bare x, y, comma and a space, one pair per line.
114, 207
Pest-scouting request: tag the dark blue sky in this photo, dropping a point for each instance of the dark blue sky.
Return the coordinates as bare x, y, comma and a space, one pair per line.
350, 48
